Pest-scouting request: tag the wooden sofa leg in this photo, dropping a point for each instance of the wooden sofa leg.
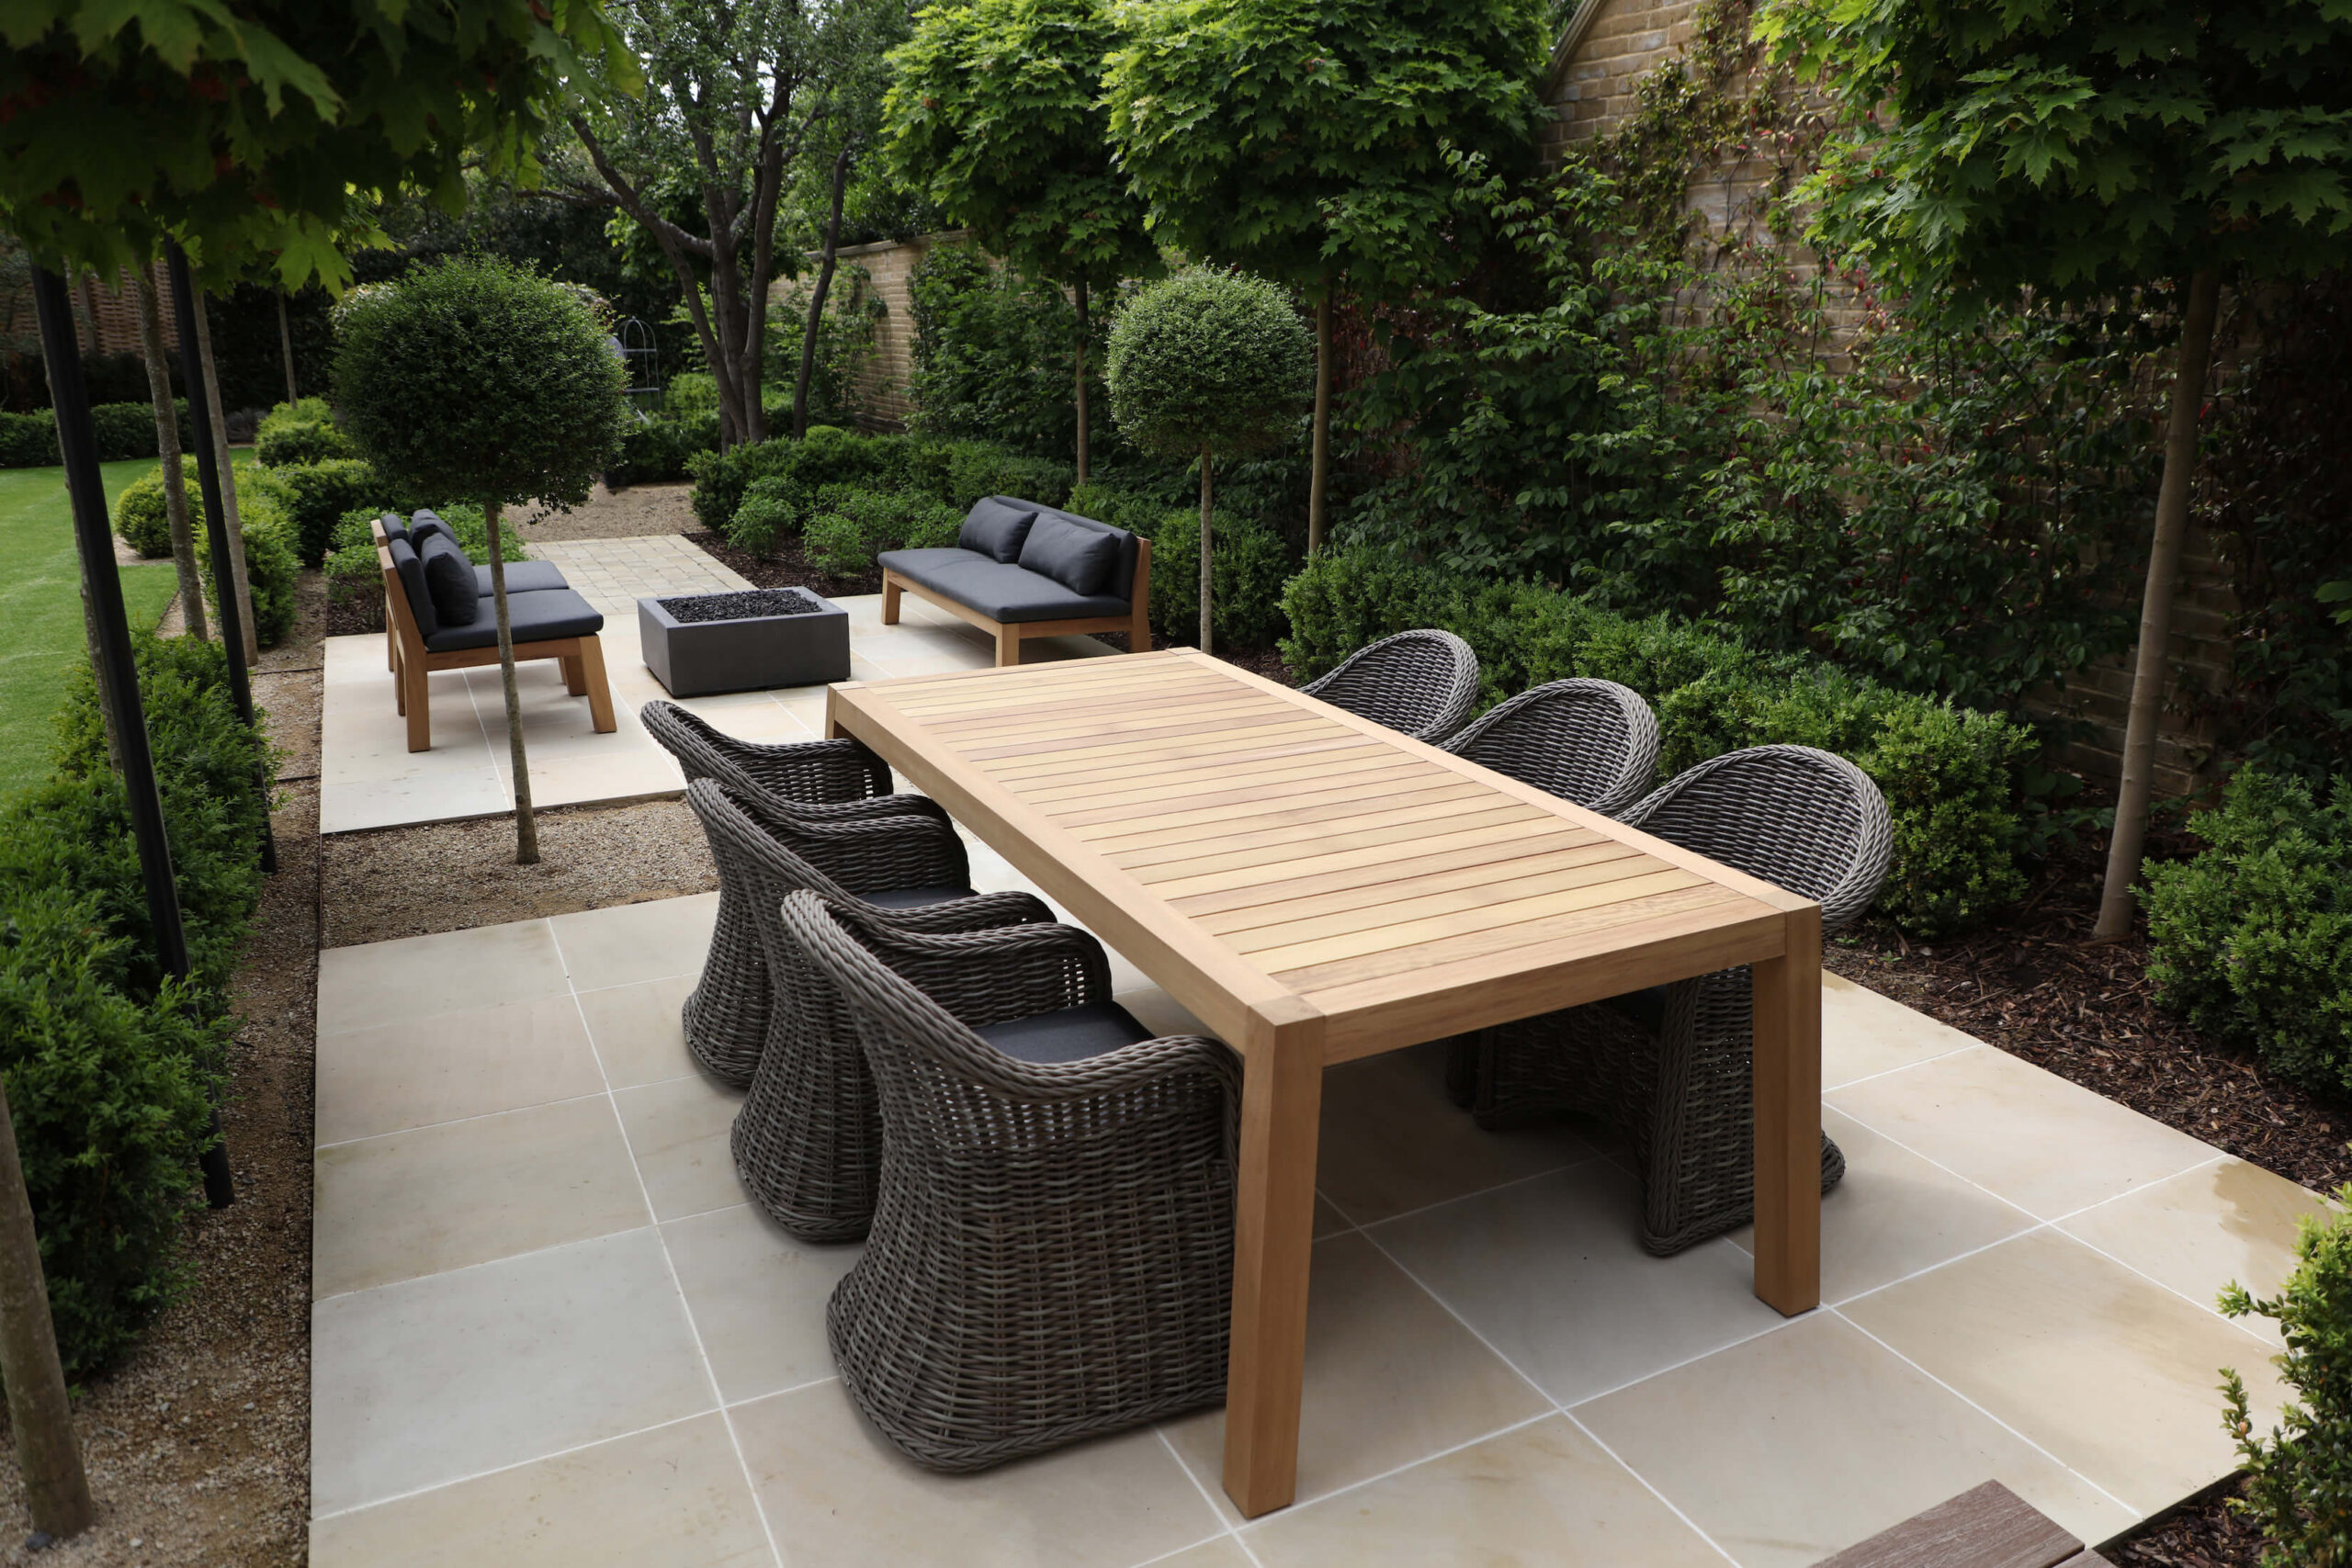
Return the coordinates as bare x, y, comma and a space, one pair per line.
600, 695
1139, 633
891, 591
575, 679
417, 702
1008, 646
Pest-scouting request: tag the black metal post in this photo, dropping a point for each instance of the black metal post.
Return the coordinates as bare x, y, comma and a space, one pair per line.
118, 670
216, 515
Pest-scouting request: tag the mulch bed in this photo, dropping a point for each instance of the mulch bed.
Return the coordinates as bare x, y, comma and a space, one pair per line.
2203, 1533
2036, 987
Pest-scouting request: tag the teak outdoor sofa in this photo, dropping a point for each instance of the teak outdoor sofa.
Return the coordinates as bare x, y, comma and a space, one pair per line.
1023, 570
547, 620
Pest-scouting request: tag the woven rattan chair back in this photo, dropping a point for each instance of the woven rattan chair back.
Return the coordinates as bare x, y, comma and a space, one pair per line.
809, 771
1051, 1255
1422, 682
1805, 819
1594, 742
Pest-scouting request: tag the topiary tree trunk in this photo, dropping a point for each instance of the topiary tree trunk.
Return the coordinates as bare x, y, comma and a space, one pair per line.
1205, 550
57, 1490
1320, 471
167, 448
527, 827
211, 375
1078, 298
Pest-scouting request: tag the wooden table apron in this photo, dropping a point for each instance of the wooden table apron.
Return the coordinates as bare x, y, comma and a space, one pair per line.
1316, 887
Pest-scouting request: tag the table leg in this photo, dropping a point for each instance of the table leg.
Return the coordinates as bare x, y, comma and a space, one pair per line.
1282, 1101
1788, 1119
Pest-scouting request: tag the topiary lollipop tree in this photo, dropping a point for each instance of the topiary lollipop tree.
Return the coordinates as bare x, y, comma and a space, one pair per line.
1212, 364
475, 380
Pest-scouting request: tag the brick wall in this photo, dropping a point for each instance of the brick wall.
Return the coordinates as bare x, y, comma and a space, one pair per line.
1608, 47
883, 376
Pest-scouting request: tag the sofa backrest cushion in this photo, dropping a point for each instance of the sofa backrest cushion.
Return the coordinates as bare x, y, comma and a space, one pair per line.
997, 527
425, 525
1121, 583
1079, 557
449, 578
411, 571
394, 528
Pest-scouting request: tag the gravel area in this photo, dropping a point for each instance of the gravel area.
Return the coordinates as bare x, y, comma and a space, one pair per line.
614, 514
444, 876
290, 699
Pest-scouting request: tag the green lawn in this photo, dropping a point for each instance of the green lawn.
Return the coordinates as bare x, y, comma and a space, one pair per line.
41, 607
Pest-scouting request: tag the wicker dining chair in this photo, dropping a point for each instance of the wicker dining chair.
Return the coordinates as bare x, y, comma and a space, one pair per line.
1052, 1252
1594, 742
807, 1139
1672, 1065
1422, 682
725, 1015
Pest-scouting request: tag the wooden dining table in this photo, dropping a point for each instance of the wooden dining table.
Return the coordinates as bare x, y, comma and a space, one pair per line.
1315, 889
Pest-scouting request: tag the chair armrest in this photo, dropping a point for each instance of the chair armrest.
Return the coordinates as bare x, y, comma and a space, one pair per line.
980, 912
872, 805
992, 976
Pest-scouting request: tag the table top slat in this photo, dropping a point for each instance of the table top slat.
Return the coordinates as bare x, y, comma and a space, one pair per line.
1257, 849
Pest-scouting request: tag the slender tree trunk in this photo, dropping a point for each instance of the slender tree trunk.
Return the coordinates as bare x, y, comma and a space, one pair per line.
97, 668
167, 446
286, 346
1080, 296
816, 299
211, 375
1319, 479
48, 1453
2116, 903
1205, 550
527, 827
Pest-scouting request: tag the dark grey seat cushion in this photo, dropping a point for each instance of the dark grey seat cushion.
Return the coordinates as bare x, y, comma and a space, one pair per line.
1079, 557
1070, 1036
420, 601
536, 617
523, 577
449, 578
996, 527
914, 897
1646, 1007
998, 591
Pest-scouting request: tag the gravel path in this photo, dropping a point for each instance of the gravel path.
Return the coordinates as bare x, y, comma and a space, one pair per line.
615, 515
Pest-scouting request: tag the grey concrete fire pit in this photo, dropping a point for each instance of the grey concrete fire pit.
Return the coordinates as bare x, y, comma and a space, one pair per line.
698, 644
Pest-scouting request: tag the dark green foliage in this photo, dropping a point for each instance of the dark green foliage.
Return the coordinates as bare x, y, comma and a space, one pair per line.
1209, 361
2299, 1481
272, 573
112, 1071
28, 440
315, 497
657, 449
1950, 775
355, 580
128, 430
992, 354
141, 518
955, 472
475, 379
1253, 563
2253, 938
846, 527
112, 1101
294, 434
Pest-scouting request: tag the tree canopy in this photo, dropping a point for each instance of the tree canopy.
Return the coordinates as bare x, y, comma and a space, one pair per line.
1208, 360
1305, 139
473, 377
247, 129
2080, 148
995, 115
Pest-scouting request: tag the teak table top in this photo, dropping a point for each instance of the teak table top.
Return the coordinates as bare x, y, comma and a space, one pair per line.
1273, 845
1316, 887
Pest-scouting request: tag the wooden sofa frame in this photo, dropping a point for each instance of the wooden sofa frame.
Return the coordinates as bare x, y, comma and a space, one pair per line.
1009, 635
582, 658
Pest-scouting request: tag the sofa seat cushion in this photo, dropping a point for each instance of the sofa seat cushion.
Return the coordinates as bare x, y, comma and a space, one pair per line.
523, 577
1070, 1036
1000, 592
913, 898
449, 578
996, 527
536, 617
1079, 557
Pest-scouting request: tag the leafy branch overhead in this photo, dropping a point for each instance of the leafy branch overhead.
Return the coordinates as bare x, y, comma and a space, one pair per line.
125, 122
